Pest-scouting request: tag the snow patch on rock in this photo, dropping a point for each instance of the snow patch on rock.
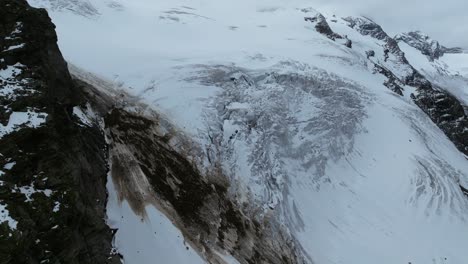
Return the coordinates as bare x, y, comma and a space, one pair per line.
18, 120
5, 217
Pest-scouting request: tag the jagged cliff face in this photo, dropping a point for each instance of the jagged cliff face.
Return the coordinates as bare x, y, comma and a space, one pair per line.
289, 136
52, 183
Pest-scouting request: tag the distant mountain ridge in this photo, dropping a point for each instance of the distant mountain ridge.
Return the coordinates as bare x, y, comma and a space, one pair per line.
429, 47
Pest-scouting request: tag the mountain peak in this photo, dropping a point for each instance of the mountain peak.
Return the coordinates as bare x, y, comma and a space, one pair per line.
366, 26
424, 43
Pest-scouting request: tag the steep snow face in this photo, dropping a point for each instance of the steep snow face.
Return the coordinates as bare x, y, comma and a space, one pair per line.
304, 128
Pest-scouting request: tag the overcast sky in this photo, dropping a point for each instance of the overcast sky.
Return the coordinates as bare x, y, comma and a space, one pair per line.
444, 20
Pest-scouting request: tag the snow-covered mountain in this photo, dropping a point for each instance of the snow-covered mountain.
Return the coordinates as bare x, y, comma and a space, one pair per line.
426, 45
268, 132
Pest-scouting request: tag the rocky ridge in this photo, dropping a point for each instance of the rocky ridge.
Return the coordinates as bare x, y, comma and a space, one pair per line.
442, 107
422, 42
54, 166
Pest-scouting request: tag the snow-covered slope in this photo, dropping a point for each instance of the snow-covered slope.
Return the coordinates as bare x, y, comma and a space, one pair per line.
305, 127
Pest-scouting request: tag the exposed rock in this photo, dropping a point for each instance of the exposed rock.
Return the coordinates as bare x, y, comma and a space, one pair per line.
417, 80
200, 205
370, 53
447, 113
464, 190
392, 83
348, 42
322, 26
56, 190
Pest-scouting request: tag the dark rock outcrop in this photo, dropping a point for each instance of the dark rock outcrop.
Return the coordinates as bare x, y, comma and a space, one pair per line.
447, 113
321, 25
56, 189
370, 53
392, 82
348, 42
464, 190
